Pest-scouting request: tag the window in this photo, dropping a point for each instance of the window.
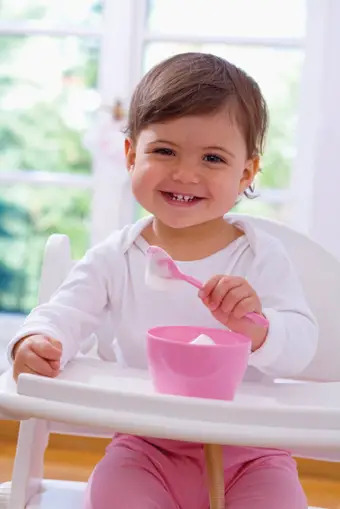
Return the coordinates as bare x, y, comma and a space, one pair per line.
49, 55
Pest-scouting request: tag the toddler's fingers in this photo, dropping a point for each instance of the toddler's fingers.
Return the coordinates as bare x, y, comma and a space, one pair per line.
55, 365
46, 349
55, 343
243, 307
39, 365
223, 287
22, 369
209, 286
234, 297
40, 368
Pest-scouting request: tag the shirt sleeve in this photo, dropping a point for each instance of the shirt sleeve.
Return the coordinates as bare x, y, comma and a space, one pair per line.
292, 337
76, 308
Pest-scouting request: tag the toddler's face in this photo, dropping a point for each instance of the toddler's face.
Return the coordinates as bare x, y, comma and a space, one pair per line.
190, 170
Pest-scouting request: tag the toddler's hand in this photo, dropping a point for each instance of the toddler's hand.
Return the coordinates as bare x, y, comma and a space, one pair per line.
37, 354
229, 299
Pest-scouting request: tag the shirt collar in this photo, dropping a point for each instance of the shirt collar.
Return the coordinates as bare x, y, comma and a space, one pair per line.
131, 232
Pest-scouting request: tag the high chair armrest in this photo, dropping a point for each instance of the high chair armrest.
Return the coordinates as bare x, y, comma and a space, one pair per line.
303, 417
8, 387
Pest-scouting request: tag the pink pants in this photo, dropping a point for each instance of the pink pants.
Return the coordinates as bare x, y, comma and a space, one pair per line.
138, 473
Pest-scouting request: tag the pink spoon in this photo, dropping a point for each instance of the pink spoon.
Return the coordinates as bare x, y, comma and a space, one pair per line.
161, 268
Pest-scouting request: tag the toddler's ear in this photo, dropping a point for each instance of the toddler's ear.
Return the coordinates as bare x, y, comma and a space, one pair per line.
130, 154
249, 173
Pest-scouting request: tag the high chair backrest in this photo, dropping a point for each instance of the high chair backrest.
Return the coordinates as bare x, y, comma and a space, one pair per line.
318, 270
57, 263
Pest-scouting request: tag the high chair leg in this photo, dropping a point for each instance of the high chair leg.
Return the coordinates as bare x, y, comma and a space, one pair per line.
215, 470
29, 462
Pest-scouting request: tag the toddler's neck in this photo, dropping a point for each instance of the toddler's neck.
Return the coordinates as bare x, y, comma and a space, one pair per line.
193, 243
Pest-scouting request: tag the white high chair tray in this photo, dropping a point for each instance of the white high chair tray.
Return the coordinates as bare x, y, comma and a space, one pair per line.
300, 416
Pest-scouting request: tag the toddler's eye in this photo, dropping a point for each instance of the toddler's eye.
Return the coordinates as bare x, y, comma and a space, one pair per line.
213, 158
164, 151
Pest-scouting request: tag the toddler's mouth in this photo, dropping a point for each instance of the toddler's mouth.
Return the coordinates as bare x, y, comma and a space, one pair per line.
181, 197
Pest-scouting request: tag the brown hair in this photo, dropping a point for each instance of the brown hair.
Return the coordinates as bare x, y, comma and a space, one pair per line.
199, 83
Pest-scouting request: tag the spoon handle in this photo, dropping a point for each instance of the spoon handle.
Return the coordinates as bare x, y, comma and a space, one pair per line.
193, 281
257, 319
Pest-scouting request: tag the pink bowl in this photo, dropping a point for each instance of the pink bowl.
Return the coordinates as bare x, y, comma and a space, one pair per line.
203, 371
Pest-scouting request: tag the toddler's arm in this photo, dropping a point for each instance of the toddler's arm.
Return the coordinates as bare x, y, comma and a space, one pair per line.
77, 307
293, 332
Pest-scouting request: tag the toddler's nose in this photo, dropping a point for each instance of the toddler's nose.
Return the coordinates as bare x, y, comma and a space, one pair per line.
186, 174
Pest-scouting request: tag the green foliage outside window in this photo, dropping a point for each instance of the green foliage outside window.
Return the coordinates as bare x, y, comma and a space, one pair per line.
39, 137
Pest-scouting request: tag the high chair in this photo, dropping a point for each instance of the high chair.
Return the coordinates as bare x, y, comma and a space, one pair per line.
95, 396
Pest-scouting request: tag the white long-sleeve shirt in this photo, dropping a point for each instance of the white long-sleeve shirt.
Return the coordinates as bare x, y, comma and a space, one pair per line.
111, 278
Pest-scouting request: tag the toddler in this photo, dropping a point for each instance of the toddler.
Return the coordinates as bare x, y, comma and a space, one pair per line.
195, 133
